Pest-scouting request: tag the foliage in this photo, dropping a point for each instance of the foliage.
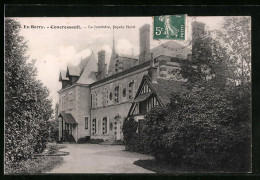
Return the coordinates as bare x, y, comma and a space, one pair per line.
203, 130
83, 140
95, 141
130, 136
27, 107
53, 126
209, 127
155, 125
52, 148
237, 39
87, 140
39, 165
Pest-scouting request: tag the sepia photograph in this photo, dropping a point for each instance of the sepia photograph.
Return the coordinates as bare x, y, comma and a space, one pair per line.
168, 94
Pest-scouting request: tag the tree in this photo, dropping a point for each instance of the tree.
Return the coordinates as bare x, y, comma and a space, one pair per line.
236, 35
210, 126
53, 126
130, 137
27, 106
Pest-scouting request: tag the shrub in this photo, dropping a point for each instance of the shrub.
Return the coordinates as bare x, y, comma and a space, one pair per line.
52, 148
41, 164
83, 140
27, 103
209, 129
95, 141
87, 140
130, 136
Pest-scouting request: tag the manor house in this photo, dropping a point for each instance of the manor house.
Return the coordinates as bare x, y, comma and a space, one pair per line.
95, 99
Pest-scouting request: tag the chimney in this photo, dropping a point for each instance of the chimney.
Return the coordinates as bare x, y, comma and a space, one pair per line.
144, 43
198, 33
102, 67
152, 71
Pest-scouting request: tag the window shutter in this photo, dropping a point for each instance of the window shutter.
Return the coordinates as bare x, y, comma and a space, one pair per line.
127, 91
93, 99
108, 125
135, 88
103, 98
114, 94
120, 93
100, 126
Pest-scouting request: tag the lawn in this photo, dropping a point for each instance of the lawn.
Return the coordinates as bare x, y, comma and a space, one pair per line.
164, 168
38, 165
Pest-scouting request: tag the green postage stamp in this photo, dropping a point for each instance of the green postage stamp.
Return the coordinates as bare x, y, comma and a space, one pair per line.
172, 27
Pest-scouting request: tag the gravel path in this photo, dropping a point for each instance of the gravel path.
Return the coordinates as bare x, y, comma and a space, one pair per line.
94, 158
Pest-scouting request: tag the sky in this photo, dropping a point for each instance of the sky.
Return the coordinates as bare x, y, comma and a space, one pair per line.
54, 49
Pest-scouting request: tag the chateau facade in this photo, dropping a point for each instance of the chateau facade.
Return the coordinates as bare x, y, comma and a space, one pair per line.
95, 99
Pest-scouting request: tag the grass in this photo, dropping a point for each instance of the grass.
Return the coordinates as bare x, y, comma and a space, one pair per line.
39, 165
164, 168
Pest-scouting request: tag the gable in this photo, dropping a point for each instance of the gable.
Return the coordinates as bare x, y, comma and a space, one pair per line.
62, 76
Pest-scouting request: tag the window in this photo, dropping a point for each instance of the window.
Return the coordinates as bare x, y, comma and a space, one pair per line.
86, 122
94, 126
163, 69
116, 94
91, 100
63, 102
162, 75
124, 92
96, 99
110, 96
131, 89
142, 107
104, 125
70, 100
107, 97
104, 99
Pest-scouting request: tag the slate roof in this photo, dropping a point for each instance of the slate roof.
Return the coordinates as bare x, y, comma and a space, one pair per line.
164, 88
73, 71
78, 70
172, 49
88, 74
68, 118
63, 76
128, 56
143, 97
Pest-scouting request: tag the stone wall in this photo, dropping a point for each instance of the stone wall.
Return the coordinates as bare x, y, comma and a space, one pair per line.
115, 112
76, 102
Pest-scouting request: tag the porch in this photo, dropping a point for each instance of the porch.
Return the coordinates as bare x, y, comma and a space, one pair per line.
68, 126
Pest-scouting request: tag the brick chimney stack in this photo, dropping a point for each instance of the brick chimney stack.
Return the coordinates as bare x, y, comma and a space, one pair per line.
144, 43
152, 71
102, 67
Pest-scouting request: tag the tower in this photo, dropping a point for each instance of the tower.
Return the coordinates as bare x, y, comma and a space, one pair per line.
114, 55
144, 43
102, 67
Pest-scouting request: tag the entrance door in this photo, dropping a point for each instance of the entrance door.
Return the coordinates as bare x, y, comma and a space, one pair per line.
117, 128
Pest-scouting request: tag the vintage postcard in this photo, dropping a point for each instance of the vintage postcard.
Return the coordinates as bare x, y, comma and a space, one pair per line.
159, 94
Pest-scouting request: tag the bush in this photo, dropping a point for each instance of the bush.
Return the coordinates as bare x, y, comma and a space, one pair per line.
52, 148
83, 140
41, 164
208, 128
130, 136
95, 141
87, 140
27, 103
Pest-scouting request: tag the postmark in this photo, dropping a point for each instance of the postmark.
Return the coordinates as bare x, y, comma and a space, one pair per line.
171, 27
